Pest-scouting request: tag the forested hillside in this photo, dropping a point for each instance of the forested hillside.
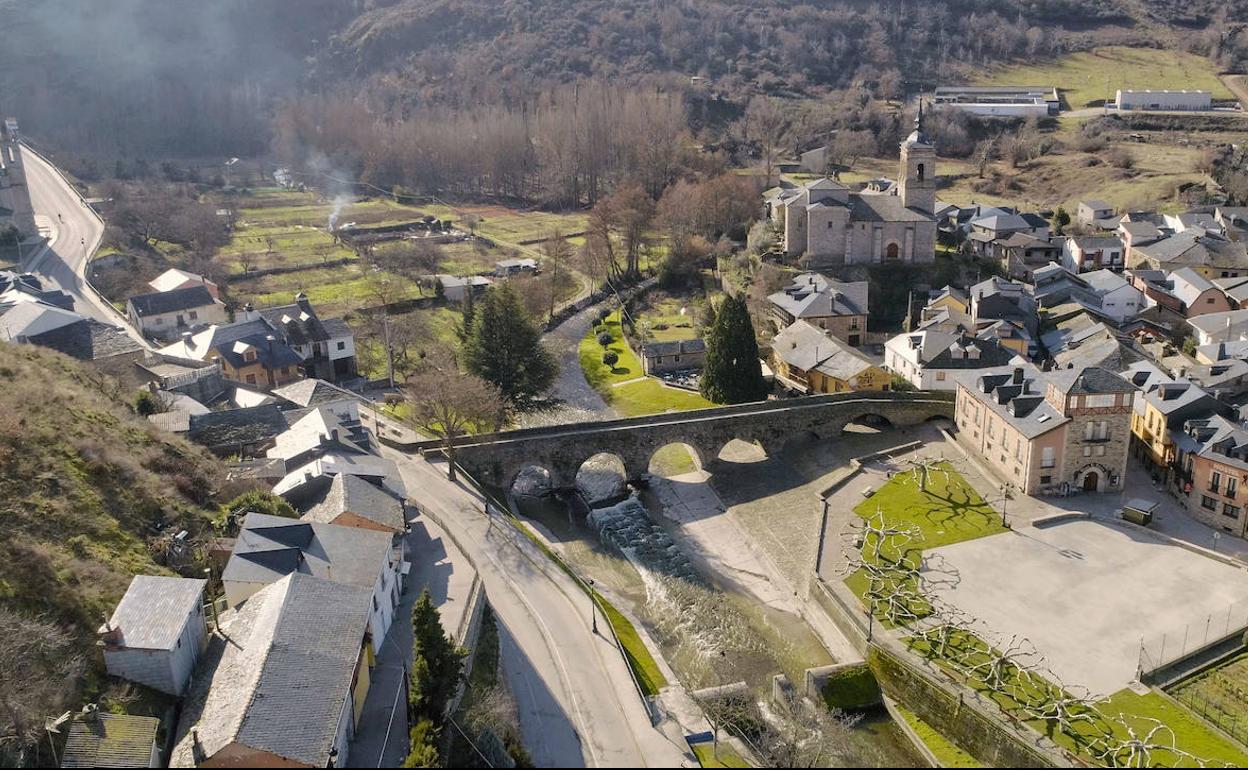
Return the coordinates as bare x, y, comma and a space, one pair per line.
182, 78
90, 494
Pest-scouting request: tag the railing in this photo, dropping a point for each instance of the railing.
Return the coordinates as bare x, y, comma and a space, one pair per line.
1176, 644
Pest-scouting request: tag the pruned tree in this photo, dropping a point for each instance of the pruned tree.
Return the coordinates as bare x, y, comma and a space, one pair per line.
448, 404
800, 733
923, 468
1148, 741
999, 666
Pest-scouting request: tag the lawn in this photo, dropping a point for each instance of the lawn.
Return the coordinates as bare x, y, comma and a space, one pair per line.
624, 386
949, 511
672, 460
945, 751
1088, 78
725, 756
1116, 716
662, 320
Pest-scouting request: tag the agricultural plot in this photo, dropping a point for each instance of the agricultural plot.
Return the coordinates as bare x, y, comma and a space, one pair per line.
1219, 695
1089, 78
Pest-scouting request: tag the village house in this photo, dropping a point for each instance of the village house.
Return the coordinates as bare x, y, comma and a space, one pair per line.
836, 307
256, 701
807, 359
1209, 254
1136, 234
250, 352
1210, 328
1161, 409
166, 314
1236, 291
1212, 470
350, 501
1022, 254
1198, 294
457, 289
1096, 213
174, 279
1084, 253
674, 356
326, 346
270, 547
927, 359
1041, 431
825, 223
156, 633
507, 268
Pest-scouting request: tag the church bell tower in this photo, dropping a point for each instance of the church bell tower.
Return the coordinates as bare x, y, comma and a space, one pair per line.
917, 177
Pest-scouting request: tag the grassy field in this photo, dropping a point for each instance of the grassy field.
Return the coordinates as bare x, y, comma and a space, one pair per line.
662, 321
624, 386
1088, 78
949, 511
1113, 718
945, 751
725, 756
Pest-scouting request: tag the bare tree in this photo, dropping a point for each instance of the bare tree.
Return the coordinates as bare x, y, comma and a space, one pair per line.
556, 253
766, 124
448, 404
803, 734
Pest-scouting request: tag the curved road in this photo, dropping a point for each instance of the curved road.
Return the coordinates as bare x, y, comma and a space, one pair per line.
76, 234
575, 697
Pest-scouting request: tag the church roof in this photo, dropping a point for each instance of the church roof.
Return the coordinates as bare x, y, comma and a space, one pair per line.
883, 208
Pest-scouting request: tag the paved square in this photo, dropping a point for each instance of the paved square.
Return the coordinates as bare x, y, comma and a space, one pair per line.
1086, 592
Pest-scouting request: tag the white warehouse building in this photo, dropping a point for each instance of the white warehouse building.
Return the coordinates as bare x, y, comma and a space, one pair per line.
1164, 100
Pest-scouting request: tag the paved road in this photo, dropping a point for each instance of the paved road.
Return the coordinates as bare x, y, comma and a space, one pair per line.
76, 234
571, 387
575, 698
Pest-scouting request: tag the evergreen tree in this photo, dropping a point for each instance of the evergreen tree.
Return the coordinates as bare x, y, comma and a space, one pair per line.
436, 663
504, 347
1060, 220
733, 373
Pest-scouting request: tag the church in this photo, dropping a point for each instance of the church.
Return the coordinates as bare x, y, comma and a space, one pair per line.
825, 224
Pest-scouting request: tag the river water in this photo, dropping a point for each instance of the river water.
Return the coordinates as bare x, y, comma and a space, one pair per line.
709, 634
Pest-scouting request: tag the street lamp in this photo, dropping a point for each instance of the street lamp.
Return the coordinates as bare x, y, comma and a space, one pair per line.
593, 605
1005, 490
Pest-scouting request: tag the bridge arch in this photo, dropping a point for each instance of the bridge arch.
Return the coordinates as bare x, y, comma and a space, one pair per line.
603, 475
533, 480
668, 458
865, 422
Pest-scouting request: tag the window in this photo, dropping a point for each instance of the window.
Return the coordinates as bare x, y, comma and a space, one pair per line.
1046, 479
1048, 458
1230, 511
251, 379
1087, 451
1231, 484
342, 346
194, 315
1208, 503
1215, 481
853, 323
940, 376
922, 171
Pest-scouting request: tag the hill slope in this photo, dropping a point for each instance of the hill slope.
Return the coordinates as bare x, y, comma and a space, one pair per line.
86, 491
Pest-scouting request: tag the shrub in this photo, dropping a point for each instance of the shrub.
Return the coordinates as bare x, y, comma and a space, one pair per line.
605, 339
610, 358
146, 403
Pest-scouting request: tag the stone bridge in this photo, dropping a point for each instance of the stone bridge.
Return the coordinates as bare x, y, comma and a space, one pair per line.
497, 458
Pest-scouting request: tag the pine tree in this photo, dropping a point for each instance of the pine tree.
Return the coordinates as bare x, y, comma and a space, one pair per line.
504, 347
733, 373
437, 663
423, 747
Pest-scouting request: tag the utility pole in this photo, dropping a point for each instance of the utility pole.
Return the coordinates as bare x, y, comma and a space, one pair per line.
593, 606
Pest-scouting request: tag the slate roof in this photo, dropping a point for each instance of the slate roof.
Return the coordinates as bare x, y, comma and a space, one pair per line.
154, 609
673, 348
29, 319
1197, 248
1234, 288
278, 675
232, 341
810, 348
1189, 285
1022, 405
998, 222
812, 295
1141, 232
1096, 205
300, 322
353, 494
232, 428
1097, 242
314, 392
109, 740
1213, 323
883, 208
320, 429
160, 302
1092, 380
271, 547
172, 278
88, 340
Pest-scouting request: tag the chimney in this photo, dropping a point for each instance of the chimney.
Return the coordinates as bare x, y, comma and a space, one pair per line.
301, 300
249, 312
269, 338
1018, 376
